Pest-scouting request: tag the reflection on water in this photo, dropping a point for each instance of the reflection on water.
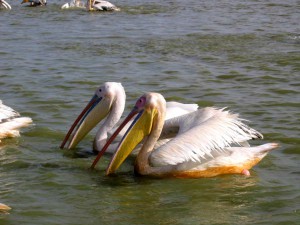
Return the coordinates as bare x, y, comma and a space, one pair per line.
243, 55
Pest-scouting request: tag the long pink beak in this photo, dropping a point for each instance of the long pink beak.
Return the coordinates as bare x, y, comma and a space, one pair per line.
113, 136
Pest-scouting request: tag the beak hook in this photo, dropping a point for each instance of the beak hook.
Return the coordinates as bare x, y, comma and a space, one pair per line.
86, 109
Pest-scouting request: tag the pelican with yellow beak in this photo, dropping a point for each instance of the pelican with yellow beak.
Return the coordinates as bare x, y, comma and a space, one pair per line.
107, 105
107, 102
204, 143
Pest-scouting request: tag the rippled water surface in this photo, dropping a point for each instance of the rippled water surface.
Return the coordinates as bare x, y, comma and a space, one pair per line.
241, 54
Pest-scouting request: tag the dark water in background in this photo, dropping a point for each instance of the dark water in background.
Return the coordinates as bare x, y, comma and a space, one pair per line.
240, 54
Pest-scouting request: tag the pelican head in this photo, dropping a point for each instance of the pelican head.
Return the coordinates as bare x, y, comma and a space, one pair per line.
105, 101
149, 113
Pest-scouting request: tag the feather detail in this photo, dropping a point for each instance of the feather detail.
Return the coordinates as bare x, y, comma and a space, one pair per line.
10, 122
202, 135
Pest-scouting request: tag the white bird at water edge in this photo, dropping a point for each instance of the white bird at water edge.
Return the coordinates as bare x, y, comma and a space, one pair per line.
11, 122
204, 143
107, 105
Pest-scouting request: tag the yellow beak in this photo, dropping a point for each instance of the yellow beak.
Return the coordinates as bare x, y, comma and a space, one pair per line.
140, 128
95, 111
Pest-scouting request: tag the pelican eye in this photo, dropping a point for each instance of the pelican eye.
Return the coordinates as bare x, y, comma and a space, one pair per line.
141, 102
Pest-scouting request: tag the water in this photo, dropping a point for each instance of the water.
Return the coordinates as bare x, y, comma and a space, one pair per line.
243, 55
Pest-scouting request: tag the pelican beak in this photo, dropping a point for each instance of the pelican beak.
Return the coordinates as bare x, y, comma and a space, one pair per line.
139, 128
95, 111
24, 1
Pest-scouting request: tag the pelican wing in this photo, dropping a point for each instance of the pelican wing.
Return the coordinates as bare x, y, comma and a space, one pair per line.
175, 109
10, 122
7, 112
202, 135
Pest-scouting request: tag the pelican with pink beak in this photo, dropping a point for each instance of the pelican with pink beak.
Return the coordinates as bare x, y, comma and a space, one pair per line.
204, 143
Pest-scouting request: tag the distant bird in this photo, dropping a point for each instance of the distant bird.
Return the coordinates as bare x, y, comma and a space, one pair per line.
204, 143
34, 3
74, 4
4, 5
107, 106
11, 122
98, 5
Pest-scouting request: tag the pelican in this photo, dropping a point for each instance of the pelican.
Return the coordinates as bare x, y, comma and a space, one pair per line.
98, 5
34, 3
206, 143
73, 4
107, 105
11, 122
4, 4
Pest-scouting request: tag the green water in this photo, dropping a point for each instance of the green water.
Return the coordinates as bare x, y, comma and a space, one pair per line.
243, 55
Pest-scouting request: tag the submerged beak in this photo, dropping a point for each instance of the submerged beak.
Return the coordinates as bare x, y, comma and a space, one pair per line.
140, 127
95, 111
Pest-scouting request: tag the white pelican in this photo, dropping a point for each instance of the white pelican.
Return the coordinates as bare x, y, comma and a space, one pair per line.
109, 102
34, 3
4, 4
73, 4
207, 142
11, 122
98, 5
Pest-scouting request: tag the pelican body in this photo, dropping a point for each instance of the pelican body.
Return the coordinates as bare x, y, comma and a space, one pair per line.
99, 5
11, 122
4, 5
204, 143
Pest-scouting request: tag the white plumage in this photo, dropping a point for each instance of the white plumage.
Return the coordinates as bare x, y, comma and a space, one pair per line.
11, 122
202, 135
73, 4
204, 143
4, 4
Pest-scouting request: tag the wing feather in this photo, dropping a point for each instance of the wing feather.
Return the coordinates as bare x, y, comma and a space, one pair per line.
203, 134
